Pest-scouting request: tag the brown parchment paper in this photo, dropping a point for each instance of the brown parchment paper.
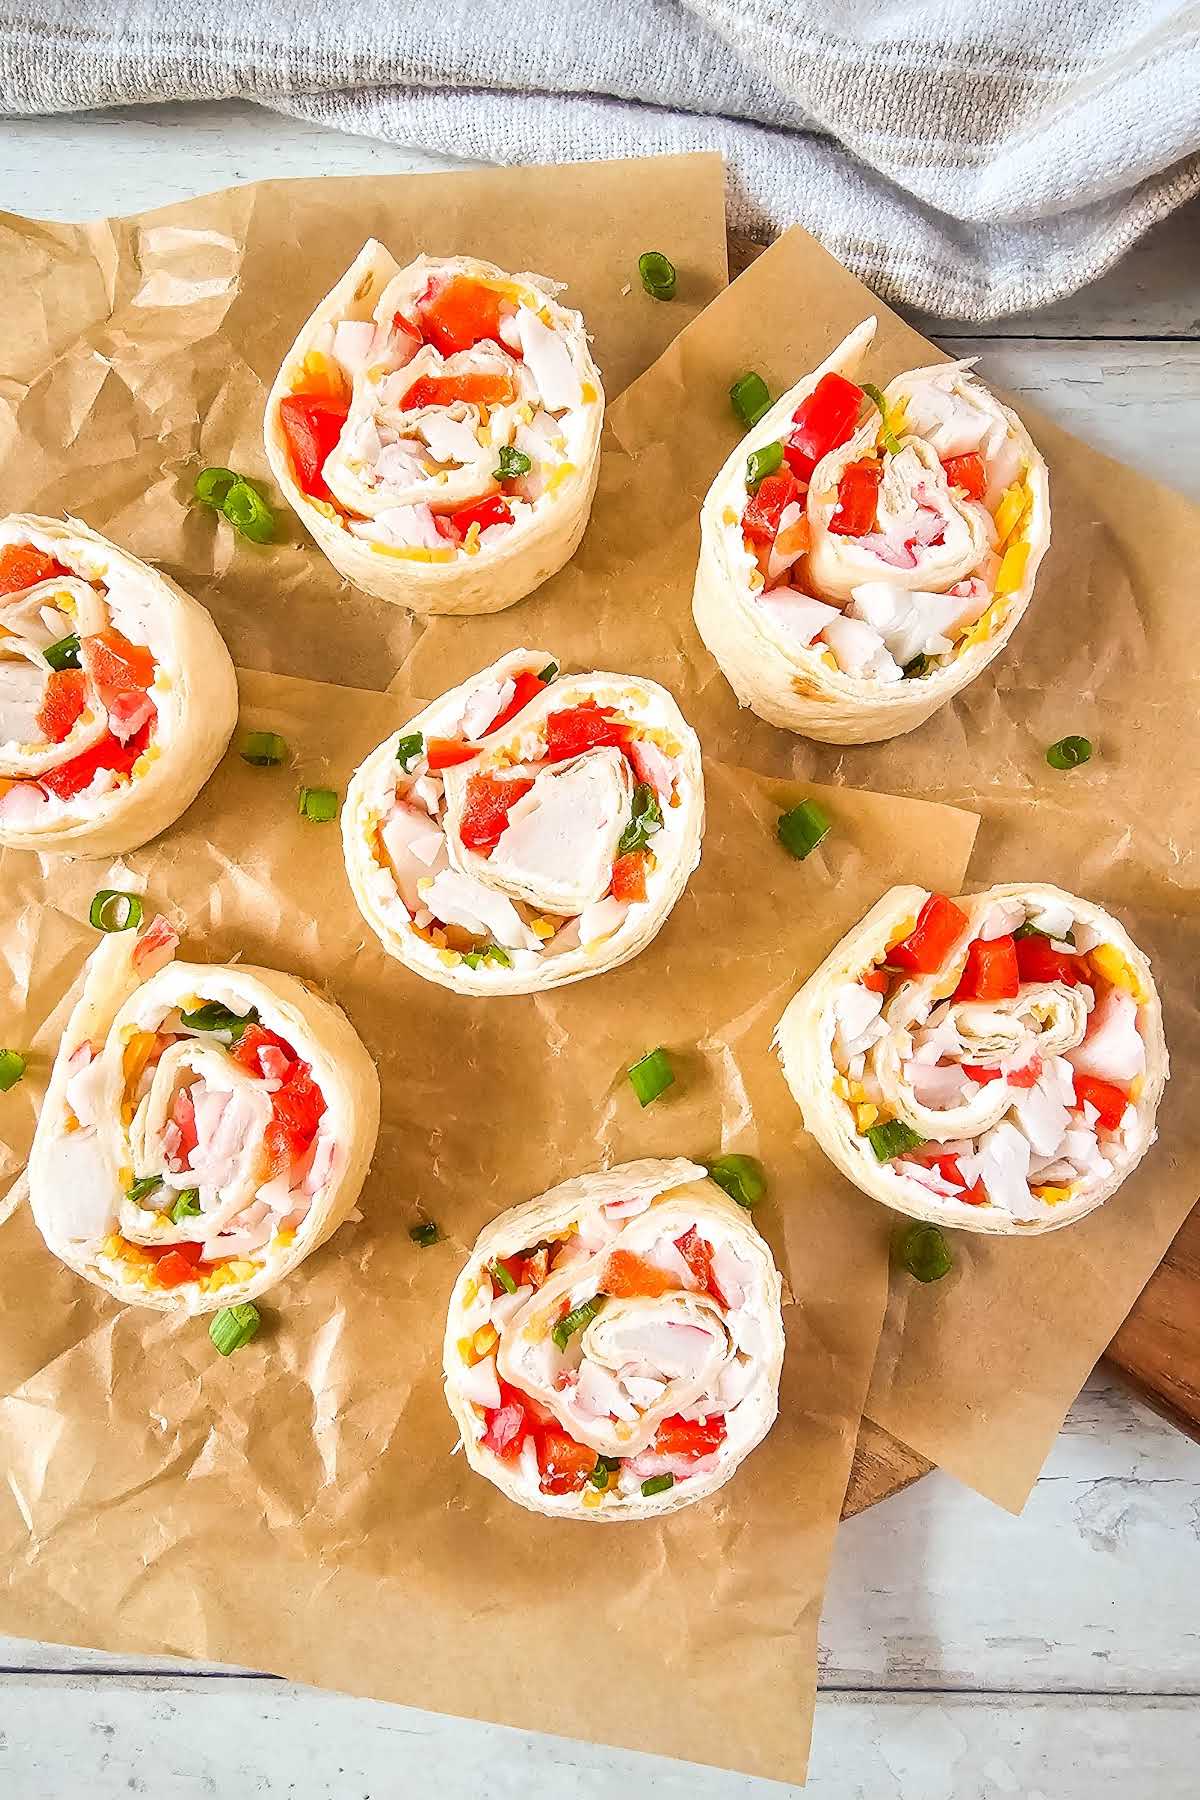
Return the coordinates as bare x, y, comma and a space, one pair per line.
298, 1507
137, 351
977, 1371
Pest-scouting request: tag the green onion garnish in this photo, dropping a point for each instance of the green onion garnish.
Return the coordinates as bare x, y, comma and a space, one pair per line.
750, 398
658, 275
920, 665
802, 829
657, 1484
892, 1139
145, 1185
12, 1067
741, 1177
234, 1326
263, 749
1029, 930
212, 486
424, 1235
646, 820
186, 1206
498, 954
549, 673
761, 463
511, 464
501, 1274
249, 513
64, 654
318, 804
575, 1321
887, 438
212, 1016
605, 1466
651, 1076
111, 910
924, 1252
409, 749
1069, 752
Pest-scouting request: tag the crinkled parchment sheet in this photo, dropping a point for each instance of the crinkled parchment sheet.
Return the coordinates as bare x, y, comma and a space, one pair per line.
977, 1371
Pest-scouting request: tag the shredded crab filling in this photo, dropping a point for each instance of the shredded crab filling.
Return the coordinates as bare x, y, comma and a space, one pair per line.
596, 1367
440, 425
1017, 1085
78, 681
507, 846
889, 547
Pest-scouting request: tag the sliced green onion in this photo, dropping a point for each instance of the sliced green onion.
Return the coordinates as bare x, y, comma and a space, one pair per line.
750, 398
186, 1206
646, 820
575, 1321
651, 1076
1069, 752
605, 1466
424, 1235
741, 1177
887, 437
263, 749
318, 804
1029, 930
111, 910
249, 513
234, 1326
64, 654
761, 463
511, 464
409, 749
498, 954
143, 1187
212, 486
892, 1139
498, 1271
12, 1067
802, 829
920, 665
924, 1252
657, 1484
549, 673
658, 275
212, 1016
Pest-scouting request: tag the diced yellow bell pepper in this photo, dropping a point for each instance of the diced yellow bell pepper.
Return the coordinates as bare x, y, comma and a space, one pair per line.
485, 1340
1008, 513
1012, 568
1110, 963
1054, 1196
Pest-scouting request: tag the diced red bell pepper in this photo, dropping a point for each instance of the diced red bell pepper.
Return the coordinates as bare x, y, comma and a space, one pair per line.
535, 1268
927, 945
256, 1038
312, 425
21, 567
967, 472
584, 727
444, 390
877, 980
457, 313
697, 1253
179, 1264
629, 877
507, 1426
858, 497
978, 1073
447, 753
765, 507
495, 510
1109, 1100
515, 1265
678, 1436
1028, 1076
298, 1107
115, 665
975, 1196
991, 971
1038, 960
526, 687
485, 812
70, 778
823, 421
629, 1277
183, 1116
63, 699
564, 1464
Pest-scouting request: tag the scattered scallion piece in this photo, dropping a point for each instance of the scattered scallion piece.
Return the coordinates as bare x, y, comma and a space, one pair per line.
111, 910
212, 1016
1029, 930
892, 1139
234, 1326
651, 1076
741, 1177
657, 1484
605, 1466
249, 513
1069, 752
12, 1067
750, 397
212, 485
575, 1321
494, 953
549, 673
924, 1252
920, 665
424, 1235
263, 749
64, 654
887, 437
499, 1273
802, 829
186, 1206
646, 820
143, 1187
318, 804
409, 749
511, 463
658, 275
763, 462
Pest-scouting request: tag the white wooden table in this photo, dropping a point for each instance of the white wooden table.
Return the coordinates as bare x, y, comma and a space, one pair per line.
965, 1655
